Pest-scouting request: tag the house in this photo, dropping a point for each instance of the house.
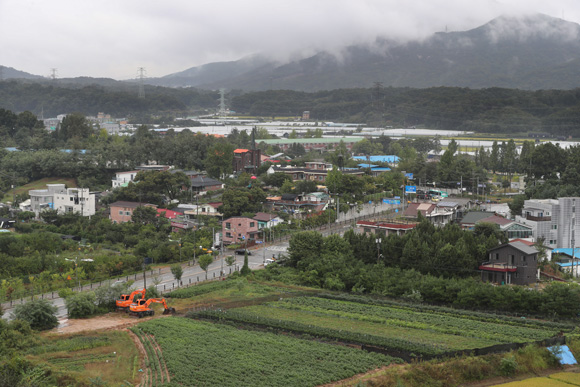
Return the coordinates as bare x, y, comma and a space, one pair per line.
203, 184
121, 212
206, 209
240, 229
296, 204
266, 220
63, 200
247, 160
556, 221
460, 206
439, 216
317, 174
384, 228
512, 263
511, 228
122, 179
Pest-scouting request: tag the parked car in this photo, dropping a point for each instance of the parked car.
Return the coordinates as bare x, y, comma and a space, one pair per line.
243, 252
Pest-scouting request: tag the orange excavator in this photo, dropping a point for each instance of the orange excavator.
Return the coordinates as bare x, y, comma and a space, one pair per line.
141, 307
126, 300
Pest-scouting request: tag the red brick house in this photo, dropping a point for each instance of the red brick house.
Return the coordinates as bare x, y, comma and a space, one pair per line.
121, 212
239, 229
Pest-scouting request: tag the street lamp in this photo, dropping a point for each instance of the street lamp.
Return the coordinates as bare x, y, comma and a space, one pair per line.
378, 250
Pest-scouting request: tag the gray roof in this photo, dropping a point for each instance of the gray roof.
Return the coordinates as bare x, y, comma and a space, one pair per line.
447, 204
475, 216
460, 201
524, 248
528, 250
201, 181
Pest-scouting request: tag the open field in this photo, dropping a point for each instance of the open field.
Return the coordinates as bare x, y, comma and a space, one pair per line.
205, 354
79, 358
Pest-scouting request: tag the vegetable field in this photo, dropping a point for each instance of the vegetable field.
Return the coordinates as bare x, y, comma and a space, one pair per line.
205, 354
426, 331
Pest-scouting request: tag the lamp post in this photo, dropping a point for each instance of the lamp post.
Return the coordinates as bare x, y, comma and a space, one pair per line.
378, 250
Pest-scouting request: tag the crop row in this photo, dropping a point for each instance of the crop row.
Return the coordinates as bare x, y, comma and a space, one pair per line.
446, 311
154, 371
206, 354
358, 334
495, 331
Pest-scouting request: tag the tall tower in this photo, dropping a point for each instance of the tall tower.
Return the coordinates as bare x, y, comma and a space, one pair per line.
53, 73
141, 77
1, 73
222, 111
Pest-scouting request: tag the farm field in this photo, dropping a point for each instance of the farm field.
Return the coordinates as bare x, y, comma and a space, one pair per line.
413, 330
206, 354
560, 379
82, 359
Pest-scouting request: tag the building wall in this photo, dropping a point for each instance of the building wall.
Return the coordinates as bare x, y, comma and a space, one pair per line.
75, 200
122, 178
526, 265
122, 214
238, 229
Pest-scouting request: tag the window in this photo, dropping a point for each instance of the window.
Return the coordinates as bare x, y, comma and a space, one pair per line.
228, 234
496, 256
120, 212
228, 225
252, 224
128, 213
554, 227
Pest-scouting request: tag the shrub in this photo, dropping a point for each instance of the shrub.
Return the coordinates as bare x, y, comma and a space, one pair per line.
39, 314
508, 366
81, 305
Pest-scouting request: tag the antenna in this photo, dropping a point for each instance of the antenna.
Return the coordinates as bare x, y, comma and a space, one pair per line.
141, 75
53, 73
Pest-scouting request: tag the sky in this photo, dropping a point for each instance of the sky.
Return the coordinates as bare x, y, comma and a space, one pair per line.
114, 38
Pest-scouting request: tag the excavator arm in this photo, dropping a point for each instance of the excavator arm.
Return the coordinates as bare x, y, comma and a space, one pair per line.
125, 301
141, 308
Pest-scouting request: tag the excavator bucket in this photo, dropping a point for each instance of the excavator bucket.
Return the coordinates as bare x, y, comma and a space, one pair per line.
169, 311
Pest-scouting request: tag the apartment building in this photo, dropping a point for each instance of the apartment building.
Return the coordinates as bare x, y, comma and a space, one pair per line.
63, 200
556, 221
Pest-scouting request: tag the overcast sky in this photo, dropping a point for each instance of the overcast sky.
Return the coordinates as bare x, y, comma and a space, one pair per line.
113, 38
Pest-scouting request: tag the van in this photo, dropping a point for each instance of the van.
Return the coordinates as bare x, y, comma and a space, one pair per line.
269, 261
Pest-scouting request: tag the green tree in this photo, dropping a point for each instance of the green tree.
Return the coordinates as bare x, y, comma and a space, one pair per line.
39, 314
517, 204
246, 268
204, 262
219, 160
177, 272
144, 215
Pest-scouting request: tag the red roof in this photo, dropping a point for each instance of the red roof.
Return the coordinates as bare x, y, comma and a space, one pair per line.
216, 204
525, 242
497, 220
241, 150
168, 213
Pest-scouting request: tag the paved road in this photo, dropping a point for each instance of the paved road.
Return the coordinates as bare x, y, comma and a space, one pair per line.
191, 275
194, 274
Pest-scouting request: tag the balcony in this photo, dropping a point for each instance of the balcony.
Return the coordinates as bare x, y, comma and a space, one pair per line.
498, 266
539, 218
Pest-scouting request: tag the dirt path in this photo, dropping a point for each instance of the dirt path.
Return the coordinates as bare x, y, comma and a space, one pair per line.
116, 320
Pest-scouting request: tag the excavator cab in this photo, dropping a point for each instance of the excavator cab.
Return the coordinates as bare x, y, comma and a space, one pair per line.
141, 307
126, 300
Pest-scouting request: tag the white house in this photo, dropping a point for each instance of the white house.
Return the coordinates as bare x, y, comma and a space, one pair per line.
64, 200
121, 179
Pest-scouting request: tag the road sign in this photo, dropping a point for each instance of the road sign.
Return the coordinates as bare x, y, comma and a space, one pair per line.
410, 189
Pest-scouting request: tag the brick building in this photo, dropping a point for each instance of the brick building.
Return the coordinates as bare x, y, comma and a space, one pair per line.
240, 229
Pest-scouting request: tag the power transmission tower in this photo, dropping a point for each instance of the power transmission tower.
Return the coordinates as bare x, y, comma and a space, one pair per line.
223, 111
141, 76
53, 73
1, 73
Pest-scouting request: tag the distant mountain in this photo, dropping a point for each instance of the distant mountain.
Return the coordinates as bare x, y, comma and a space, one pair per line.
11, 73
525, 52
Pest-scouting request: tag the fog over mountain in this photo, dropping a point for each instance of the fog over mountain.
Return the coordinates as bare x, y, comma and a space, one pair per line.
527, 52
